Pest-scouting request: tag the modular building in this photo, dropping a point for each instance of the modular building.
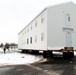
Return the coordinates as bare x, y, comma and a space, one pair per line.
54, 29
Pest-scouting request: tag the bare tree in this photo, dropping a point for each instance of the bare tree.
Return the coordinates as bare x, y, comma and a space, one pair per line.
7, 46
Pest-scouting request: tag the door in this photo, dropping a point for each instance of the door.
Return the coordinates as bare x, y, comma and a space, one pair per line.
68, 30
68, 39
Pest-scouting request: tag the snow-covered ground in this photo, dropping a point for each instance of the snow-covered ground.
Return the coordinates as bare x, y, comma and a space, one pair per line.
16, 58
13, 57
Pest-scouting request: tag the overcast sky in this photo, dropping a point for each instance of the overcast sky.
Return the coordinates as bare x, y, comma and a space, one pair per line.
16, 14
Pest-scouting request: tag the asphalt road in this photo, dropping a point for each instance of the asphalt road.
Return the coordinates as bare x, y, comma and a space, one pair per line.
59, 66
56, 66
20, 70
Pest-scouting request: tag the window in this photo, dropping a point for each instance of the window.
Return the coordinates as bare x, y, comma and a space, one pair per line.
35, 23
27, 41
68, 18
31, 27
28, 30
42, 36
30, 40
35, 39
42, 18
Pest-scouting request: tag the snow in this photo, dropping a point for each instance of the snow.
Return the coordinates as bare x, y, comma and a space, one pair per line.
13, 57
16, 58
75, 53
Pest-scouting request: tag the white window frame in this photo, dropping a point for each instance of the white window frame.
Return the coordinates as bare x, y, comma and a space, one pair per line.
42, 18
36, 23
30, 40
27, 40
35, 38
42, 36
31, 27
68, 17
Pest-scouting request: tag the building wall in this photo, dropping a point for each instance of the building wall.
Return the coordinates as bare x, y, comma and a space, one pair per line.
13, 47
35, 29
54, 37
56, 23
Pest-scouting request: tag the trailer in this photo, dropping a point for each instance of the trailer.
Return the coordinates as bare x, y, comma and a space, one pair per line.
54, 29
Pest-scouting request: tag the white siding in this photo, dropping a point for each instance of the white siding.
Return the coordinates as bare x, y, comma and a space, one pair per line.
56, 22
35, 31
50, 24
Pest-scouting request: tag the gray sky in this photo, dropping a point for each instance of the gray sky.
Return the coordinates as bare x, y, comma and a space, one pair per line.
16, 14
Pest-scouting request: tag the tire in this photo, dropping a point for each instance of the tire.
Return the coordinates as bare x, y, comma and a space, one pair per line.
71, 54
68, 55
45, 54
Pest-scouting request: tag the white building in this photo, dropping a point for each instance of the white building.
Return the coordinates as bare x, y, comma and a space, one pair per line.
13, 46
53, 29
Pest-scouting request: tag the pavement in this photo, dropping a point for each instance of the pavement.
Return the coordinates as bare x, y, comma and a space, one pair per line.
20, 70
56, 66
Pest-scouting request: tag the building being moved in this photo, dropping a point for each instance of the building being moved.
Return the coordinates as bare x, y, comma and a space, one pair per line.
54, 29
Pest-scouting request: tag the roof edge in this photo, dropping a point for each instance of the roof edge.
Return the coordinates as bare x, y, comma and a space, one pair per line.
45, 9
32, 20
61, 4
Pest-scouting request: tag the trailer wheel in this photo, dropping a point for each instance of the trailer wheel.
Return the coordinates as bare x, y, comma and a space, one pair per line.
68, 55
23, 51
47, 54
44, 54
71, 54
65, 55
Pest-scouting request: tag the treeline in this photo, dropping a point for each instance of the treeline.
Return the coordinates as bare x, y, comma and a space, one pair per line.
7, 45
